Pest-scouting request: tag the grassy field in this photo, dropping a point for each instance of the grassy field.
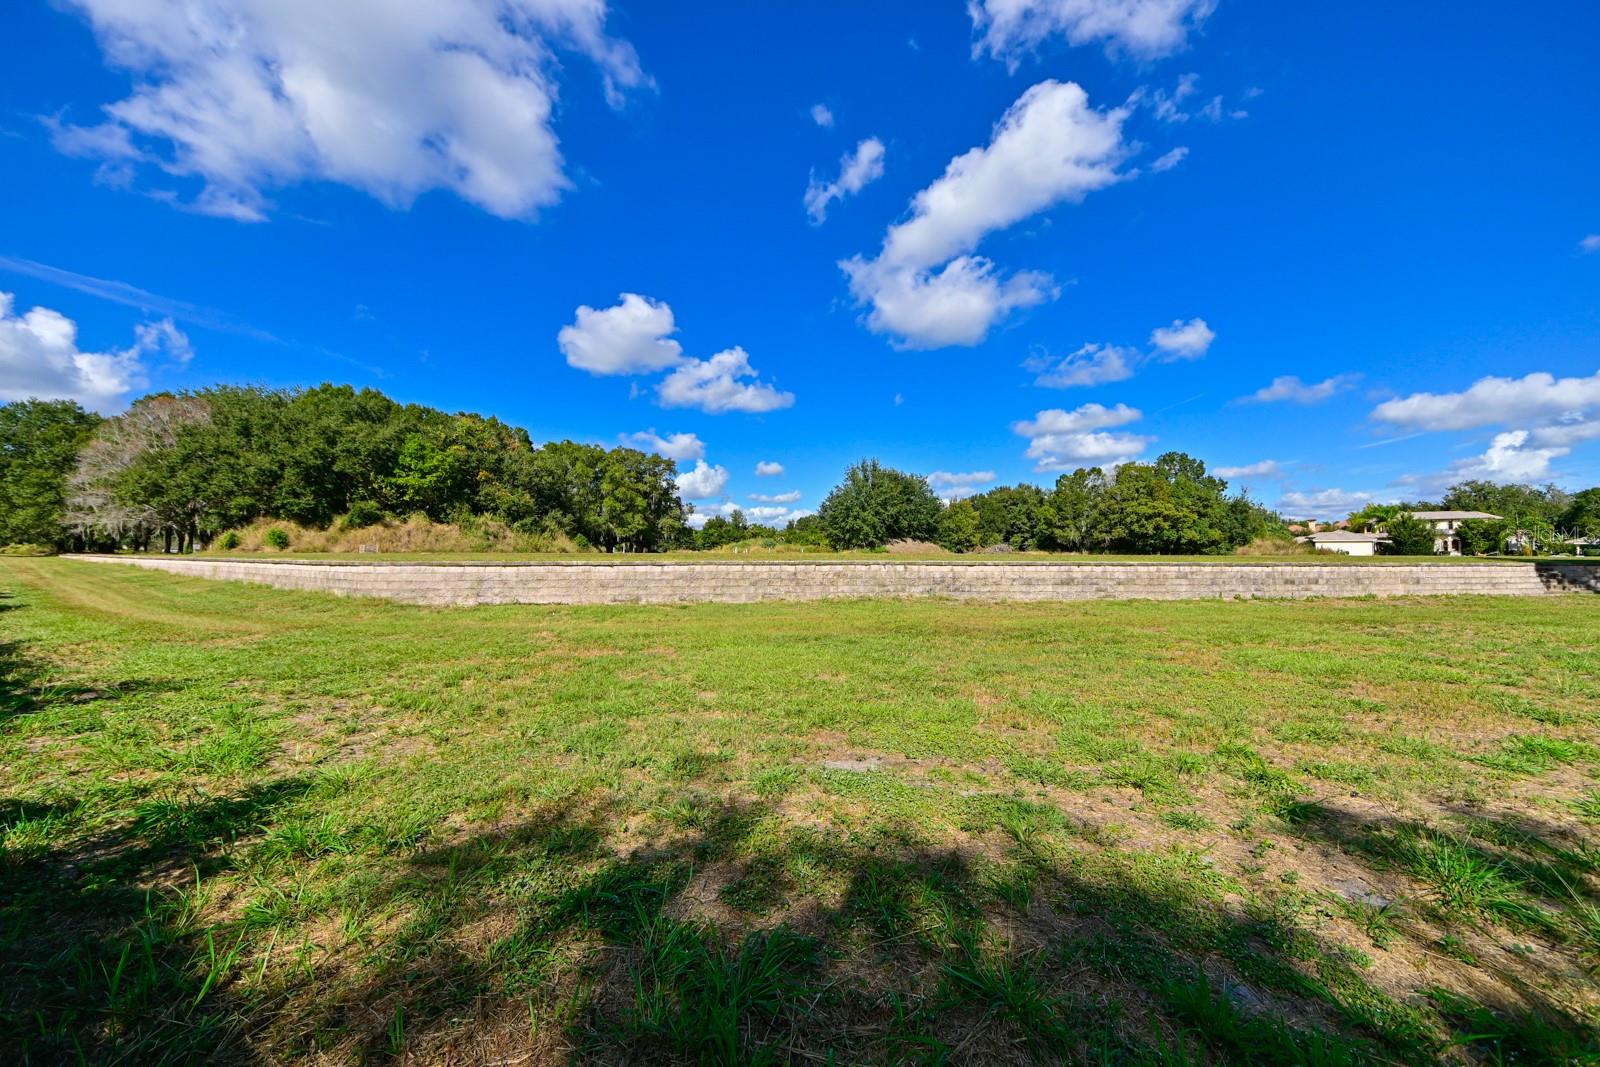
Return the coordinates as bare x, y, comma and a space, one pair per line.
247, 825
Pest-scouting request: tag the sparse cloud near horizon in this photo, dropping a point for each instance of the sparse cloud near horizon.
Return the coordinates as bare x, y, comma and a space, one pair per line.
768, 469
1061, 440
1266, 468
678, 446
718, 385
40, 358
702, 482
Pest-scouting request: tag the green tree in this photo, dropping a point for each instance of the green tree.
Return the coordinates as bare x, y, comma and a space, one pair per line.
1481, 536
1409, 535
1012, 515
1169, 506
960, 527
1520, 503
1581, 517
876, 504
39, 443
1071, 516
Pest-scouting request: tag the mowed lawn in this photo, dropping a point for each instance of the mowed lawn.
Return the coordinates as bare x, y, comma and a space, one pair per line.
248, 825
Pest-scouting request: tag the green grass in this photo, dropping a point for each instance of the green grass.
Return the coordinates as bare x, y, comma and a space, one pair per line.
240, 824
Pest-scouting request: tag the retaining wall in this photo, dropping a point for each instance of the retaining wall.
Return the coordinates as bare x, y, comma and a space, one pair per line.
730, 583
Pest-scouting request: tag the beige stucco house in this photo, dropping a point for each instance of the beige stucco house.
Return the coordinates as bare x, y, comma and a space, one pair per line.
1446, 525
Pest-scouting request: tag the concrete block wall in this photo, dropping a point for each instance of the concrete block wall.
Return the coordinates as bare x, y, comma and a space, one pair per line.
564, 582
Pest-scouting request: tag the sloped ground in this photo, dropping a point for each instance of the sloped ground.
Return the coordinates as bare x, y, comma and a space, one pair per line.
254, 826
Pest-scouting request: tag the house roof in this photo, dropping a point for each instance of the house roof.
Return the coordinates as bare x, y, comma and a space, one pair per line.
1345, 536
1437, 515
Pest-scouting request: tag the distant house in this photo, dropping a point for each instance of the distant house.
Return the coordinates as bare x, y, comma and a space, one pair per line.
1349, 542
1584, 546
1447, 524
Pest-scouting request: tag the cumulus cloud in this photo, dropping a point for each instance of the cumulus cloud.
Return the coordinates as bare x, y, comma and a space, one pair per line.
954, 479
393, 99
1289, 387
1571, 431
40, 357
630, 338
769, 468
703, 482
1489, 401
1324, 503
1590, 243
1092, 364
1169, 160
926, 287
857, 169
1063, 440
1183, 340
678, 446
1509, 458
717, 385
821, 115
1143, 29
1267, 468
777, 498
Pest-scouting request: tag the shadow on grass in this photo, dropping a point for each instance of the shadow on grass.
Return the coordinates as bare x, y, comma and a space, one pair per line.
717, 939
722, 942
106, 952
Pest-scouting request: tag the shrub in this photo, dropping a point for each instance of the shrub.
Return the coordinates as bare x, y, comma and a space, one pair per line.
362, 513
228, 541
27, 550
277, 538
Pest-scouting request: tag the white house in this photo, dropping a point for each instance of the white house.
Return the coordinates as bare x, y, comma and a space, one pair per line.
1446, 524
1349, 542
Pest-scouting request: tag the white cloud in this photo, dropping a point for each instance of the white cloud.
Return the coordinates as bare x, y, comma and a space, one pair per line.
1092, 364
1509, 459
1144, 29
715, 386
956, 306
925, 286
777, 498
772, 516
1590, 243
703, 482
392, 99
679, 446
769, 468
1170, 160
39, 357
821, 115
951, 479
857, 169
1567, 433
1492, 400
1183, 340
1062, 440
1267, 468
1291, 388
630, 338
1326, 503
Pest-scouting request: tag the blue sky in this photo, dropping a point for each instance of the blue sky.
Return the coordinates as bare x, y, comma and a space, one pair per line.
1352, 252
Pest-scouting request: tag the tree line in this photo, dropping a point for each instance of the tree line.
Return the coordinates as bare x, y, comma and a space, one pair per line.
177, 469
1169, 506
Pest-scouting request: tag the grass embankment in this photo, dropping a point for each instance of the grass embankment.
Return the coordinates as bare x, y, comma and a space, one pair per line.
244, 824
